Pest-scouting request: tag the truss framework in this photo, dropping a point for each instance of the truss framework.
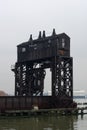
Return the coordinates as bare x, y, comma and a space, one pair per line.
29, 77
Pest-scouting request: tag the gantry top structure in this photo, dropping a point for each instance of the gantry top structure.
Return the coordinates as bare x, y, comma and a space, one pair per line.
44, 47
35, 56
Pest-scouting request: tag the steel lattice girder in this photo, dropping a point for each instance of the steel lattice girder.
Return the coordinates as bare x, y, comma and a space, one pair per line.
62, 76
30, 79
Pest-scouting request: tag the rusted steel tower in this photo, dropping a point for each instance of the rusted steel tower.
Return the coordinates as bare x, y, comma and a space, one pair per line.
35, 56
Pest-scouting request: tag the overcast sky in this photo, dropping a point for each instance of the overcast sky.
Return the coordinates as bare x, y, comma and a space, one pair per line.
20, 18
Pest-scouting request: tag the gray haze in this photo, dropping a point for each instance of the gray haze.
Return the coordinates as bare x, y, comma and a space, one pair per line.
20, 18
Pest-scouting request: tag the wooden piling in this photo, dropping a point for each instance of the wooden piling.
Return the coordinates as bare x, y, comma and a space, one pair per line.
59, 112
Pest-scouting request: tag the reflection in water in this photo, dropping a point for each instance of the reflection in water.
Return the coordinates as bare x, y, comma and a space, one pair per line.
40, 123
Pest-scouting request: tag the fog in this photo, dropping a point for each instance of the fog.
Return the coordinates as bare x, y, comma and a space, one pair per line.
20, 18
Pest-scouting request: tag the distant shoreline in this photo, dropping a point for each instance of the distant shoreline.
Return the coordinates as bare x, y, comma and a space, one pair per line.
79, 97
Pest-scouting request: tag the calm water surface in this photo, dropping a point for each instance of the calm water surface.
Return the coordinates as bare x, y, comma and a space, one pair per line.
45, 123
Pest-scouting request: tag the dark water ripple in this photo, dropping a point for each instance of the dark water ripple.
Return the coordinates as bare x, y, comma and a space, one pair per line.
45, 123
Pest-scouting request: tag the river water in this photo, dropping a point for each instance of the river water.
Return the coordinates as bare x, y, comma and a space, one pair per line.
46, 122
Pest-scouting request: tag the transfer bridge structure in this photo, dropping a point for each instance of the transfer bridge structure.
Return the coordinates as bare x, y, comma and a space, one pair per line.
33, 58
